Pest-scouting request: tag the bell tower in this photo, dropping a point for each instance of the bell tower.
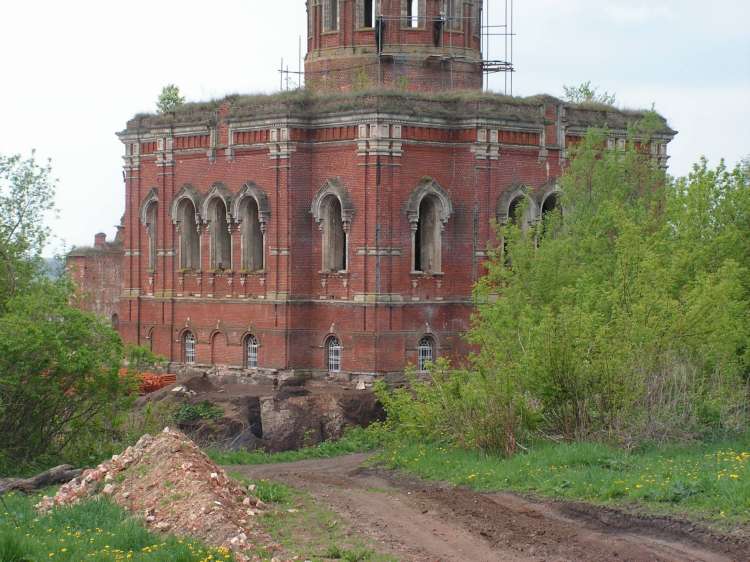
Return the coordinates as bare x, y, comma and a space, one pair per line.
414, 45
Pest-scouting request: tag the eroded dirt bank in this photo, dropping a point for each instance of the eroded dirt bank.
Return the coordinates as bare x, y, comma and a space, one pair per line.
418, 521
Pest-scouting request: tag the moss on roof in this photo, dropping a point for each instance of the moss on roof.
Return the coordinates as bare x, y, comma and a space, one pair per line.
453, 105
86, 251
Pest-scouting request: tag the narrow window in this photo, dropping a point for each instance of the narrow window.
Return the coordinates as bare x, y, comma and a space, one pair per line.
330, 15
369, 13
333, 354
115, 321
425, 353
251, 352
476, 15
412, 13
252, 236
189, 347
334, 236
549, 207
221, 241
427, 239
189, 243
151, 217
150, 338
452, 14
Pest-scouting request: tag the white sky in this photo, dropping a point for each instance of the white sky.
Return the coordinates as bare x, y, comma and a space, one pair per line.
75, 71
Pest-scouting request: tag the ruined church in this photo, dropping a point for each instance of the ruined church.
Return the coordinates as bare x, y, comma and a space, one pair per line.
337, 229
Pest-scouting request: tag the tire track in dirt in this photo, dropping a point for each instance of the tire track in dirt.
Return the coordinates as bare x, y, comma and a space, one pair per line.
424, 522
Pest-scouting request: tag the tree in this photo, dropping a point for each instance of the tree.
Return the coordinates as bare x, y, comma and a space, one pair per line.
27, 192
169, 99
59, 381
585, 93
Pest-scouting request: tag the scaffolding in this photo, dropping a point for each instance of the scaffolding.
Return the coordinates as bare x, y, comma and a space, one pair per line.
392, 34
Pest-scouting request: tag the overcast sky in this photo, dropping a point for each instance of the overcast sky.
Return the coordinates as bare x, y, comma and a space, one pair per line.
76, 70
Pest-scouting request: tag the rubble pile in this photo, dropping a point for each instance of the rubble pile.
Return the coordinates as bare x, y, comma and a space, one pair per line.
176, 488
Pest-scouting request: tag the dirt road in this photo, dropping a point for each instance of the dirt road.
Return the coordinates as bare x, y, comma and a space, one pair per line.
418, 521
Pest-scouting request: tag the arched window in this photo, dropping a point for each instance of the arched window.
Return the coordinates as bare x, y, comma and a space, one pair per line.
151, 221
252, 235
251, 352
550, 205
115, 321
425, 353
333, 354
221, 241
427, 238
188, 228
188, 345
334, 235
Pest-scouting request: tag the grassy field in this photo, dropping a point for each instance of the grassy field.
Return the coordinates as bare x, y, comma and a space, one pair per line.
704, 480
95, 530
356, 440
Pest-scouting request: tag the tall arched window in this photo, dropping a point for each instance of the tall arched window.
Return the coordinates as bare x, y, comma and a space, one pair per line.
115, 321
425, 353
333, 354
334, 235
252, 235
151, 221
221, 241
188, 228
427, 238
550, 205
188, 347
251, 352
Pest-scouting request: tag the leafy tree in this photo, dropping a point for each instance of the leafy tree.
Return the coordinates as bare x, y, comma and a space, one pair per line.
27, 192
169, 99
585, 93
59, 382
622, 316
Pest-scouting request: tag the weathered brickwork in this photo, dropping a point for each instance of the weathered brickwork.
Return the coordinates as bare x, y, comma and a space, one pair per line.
340, 228
97, 274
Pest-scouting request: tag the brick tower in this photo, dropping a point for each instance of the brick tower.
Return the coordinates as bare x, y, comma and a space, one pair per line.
339, 229
415, 45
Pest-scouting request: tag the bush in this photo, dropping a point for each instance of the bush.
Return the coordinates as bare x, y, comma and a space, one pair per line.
623, 319
194, 412
59, 383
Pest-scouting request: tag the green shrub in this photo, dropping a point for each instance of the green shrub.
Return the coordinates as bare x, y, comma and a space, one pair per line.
194, 412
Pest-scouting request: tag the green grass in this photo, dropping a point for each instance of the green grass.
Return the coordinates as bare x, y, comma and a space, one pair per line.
305, 528
709, 481
94, 530
356, 440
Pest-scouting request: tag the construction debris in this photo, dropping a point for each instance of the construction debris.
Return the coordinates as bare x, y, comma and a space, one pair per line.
176, 488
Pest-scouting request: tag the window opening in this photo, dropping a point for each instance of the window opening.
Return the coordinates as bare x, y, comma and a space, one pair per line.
333, 354
221, 241
412, 13
189, 246
334, 236
425, 353
369, 13
151, 215
189, 345
427, 249
251, 352
252, 236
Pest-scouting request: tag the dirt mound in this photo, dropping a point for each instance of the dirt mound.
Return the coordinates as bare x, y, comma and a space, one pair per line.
176, 488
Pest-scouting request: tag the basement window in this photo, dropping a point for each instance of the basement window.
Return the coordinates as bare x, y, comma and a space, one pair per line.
425, 353
333, 354
188, 343
251, 352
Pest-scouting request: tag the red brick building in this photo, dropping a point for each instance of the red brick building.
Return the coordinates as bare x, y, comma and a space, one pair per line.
340, 228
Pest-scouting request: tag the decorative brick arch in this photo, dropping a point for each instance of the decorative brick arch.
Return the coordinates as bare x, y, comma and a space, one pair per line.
510, 195
336, 188
187, 191
428, 187
151, 197
220, 191
251, 190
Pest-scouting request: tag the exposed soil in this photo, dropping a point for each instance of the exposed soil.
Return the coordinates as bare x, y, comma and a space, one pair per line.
418, 521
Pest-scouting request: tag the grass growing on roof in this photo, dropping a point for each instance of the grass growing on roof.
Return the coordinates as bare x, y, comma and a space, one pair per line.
706, 480
95, 530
